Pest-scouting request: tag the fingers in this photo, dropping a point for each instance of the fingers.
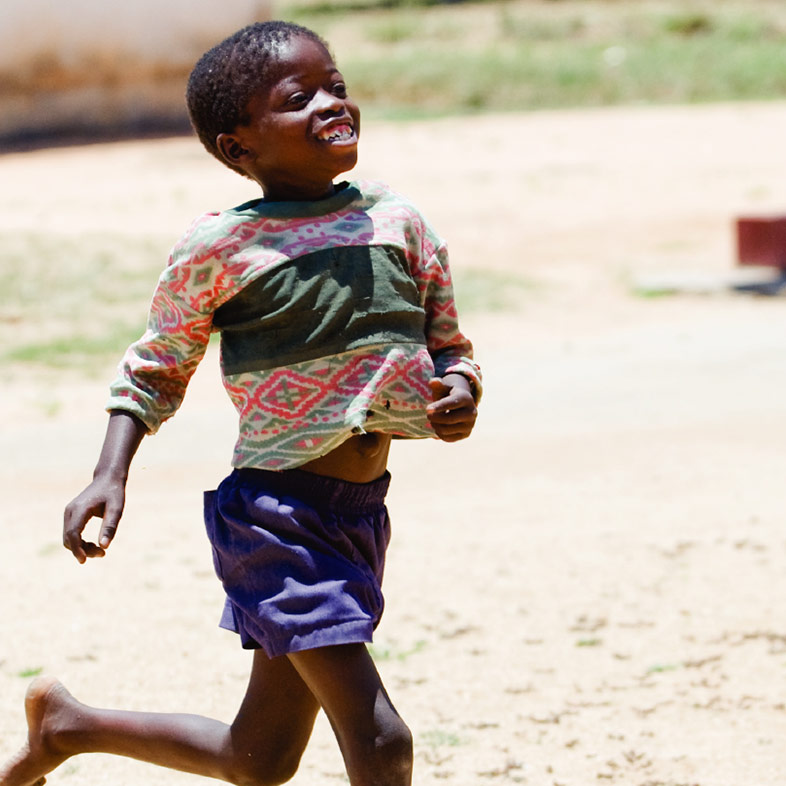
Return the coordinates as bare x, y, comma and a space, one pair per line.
457, 407
82, 549
91, 550
450, 413
74, 522
109, 526
452, 420
452, 432
453, 412
77, 515
452, 409
438, 388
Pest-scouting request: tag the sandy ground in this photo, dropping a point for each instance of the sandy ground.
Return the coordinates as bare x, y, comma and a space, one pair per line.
591, 589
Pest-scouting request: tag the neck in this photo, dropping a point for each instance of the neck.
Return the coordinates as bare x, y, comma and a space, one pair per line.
300, 194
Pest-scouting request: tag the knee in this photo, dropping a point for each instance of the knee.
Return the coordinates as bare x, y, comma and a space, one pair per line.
394, 747
388, 755
253, 770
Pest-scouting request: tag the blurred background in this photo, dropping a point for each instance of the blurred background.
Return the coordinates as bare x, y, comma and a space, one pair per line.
87, 69
91, 68
590, 589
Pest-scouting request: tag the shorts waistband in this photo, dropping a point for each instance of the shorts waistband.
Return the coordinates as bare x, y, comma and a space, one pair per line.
319, 491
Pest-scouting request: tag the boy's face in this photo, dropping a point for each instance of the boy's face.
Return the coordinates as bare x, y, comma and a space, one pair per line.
303, 128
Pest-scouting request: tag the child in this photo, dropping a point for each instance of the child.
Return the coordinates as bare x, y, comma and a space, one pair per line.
338, 332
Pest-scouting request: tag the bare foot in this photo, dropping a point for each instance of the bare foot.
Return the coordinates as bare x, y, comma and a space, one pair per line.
45, 702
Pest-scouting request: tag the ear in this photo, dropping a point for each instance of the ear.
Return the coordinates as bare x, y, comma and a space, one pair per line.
232, 149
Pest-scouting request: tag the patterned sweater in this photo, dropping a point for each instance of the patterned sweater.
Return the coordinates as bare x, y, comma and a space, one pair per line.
333, 317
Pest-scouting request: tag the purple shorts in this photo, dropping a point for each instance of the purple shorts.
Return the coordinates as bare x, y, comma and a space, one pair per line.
300, 556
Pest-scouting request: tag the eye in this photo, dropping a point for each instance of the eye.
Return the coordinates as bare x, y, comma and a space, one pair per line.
339, 89
298, 99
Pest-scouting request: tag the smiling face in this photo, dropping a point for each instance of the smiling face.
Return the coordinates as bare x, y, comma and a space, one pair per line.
302, 130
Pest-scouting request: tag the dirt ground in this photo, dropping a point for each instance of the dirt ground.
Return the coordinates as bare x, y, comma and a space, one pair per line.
590, 590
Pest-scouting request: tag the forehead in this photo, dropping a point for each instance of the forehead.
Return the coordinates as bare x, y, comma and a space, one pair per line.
299, 58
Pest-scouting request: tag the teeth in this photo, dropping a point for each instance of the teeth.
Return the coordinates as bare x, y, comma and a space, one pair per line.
336, 134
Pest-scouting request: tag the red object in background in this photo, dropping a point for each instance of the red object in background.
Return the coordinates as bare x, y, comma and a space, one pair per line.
761, 240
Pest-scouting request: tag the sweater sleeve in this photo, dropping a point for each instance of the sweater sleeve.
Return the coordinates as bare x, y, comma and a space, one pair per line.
449, 348
155, 370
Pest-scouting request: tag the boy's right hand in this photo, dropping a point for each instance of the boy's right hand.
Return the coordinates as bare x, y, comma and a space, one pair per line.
104, 498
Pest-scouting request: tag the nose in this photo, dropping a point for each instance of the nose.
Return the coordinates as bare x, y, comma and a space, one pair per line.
325, 101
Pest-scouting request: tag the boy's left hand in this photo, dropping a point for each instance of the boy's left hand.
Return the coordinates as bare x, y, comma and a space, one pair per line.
453, 412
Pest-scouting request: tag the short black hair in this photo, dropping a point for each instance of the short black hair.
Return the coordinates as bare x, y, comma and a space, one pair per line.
226, 77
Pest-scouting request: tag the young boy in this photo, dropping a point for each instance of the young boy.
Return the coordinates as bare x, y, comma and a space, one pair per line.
338, 332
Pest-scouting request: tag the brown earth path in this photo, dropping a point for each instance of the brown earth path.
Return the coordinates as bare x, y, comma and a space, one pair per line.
591, 589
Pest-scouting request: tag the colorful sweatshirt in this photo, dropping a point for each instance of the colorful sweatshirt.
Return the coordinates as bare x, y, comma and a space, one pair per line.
333, 317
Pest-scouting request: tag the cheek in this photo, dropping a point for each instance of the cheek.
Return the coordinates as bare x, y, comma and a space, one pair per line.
354, 111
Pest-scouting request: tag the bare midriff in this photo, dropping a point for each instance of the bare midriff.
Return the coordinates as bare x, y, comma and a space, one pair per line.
361, 459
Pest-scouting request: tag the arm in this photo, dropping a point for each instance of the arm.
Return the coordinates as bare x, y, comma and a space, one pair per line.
105, 496
457, 384
153, 376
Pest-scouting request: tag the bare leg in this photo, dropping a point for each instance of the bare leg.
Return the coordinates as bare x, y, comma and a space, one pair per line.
374, 741
262, 746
